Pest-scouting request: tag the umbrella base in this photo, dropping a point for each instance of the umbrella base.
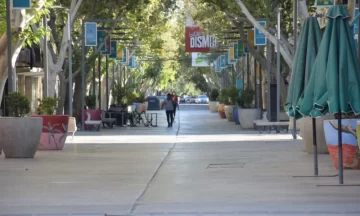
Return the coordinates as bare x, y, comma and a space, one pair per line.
341, 185
317, 176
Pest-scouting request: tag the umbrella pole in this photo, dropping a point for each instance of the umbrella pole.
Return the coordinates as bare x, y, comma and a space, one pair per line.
340, 154
316, 166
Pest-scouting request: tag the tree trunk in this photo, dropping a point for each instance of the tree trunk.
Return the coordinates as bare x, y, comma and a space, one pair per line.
77, 93
66, 104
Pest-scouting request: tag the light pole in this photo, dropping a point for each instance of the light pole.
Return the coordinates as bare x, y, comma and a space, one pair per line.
70, 58
11, 87
278, 67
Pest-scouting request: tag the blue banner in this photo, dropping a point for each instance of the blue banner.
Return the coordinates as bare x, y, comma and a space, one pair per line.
21, 4
90, 34
223, 61
113, 52
101, 39
132, 63
259, 37
236, 51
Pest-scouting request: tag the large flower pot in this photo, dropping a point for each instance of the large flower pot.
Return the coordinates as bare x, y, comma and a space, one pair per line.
229, 112
221, 110
236, 115
54, 132
19, 137
306, 133
247, 117
349, 142
213, 106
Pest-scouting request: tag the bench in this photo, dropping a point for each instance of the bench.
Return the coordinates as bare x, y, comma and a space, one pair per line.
72, 128
107, 121
93, 125
264, 125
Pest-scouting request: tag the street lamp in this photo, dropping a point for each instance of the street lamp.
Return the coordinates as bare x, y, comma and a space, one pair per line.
70, 57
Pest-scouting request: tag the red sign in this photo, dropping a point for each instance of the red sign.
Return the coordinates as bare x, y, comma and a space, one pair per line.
197, 41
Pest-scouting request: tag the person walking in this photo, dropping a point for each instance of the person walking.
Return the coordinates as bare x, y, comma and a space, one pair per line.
168, 105
176, 103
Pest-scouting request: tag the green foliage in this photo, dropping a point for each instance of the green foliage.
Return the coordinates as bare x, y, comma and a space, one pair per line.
233, 94
47, 105
117, 94
214, 94
224, 96
17, 104
247, 97
90, 101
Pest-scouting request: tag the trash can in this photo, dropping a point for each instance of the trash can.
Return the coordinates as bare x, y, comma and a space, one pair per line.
153, 103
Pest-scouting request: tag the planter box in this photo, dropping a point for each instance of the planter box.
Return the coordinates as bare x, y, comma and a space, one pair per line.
229, 112
19, 137
54, 132
221, 110
213, 106
236, 115
247, 117
349, 142
306, 133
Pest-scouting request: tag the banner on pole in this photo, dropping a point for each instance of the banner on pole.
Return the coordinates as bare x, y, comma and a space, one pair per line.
107, 46
223, 61
124, 57
241, 49
21, 4
324, 3
199, 59
91, 34
119, 53
100, 39
232, 59
113, 49
260, 39
251, 37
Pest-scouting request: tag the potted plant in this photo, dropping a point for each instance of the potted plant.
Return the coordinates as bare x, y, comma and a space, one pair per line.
213, 103
232, 94
351, 157
90, 101
20, 135
247, 112
55, 127
223, 99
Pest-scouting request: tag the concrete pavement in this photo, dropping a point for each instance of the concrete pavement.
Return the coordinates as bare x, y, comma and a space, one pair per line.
201, 166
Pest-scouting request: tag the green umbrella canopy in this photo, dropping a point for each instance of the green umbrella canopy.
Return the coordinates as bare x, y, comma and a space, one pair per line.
334, 84
306, 52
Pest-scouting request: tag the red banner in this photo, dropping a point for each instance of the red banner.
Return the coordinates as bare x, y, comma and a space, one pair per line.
197, 41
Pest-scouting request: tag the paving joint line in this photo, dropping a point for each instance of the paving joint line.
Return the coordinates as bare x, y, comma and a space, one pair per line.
133, 208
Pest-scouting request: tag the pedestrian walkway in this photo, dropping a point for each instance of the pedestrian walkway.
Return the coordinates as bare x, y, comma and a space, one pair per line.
204, 165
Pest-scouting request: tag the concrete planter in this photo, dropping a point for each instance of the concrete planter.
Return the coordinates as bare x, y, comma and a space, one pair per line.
306, 134
229, 112
213, 106
54, 132
20, 137
247, 117
349, 142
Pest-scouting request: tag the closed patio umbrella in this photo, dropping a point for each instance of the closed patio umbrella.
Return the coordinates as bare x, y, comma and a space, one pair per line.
334, 85
306, 52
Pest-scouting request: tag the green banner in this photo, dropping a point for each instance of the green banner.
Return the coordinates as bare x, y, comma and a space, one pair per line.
324, 3
113, 49
241, 49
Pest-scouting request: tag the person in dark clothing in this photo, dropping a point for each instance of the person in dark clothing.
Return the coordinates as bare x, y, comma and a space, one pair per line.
168, 105
176, 103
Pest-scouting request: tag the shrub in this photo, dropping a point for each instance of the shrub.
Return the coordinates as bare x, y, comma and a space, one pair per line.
90, 101
17, 104
233, 95
47, 105
214, 94
247, 96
